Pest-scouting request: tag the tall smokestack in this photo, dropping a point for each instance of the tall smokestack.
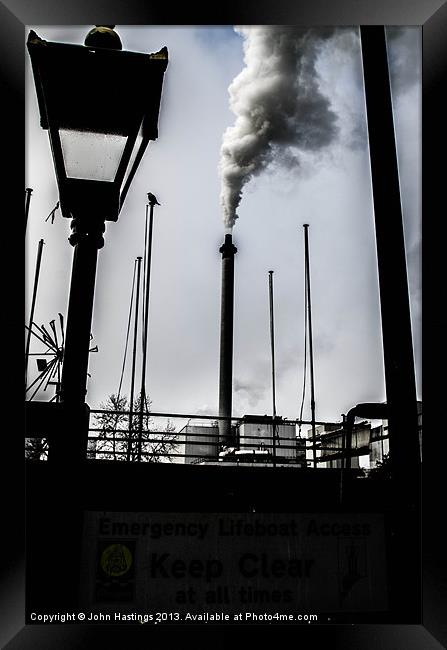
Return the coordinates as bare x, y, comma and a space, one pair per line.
228, 251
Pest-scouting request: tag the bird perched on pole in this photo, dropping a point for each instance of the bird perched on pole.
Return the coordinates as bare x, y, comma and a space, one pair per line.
152, 199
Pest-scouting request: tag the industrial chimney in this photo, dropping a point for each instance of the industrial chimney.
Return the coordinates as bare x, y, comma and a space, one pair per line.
228, 251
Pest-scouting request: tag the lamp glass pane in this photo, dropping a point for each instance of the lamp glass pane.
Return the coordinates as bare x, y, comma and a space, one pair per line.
91, 156
136, 148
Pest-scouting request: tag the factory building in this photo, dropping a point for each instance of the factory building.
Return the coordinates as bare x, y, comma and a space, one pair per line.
370, 444
201, 442
252, 439
256, 433
379, 444
330, 443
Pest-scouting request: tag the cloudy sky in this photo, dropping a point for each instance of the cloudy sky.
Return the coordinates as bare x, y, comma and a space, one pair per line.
327, 186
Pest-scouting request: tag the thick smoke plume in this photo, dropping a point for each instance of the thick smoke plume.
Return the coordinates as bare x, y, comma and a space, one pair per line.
278, 106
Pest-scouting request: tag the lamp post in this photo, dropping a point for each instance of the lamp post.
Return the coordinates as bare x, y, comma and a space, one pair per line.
28, 193
100, 105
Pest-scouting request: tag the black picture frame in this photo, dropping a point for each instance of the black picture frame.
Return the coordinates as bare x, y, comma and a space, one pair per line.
431, 15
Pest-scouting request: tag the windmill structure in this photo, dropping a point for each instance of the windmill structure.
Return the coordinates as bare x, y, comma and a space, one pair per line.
50, 359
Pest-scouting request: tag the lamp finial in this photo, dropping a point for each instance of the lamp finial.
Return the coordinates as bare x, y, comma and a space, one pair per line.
103, 36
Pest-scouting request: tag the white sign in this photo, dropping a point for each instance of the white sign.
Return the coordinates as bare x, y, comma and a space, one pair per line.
198, 562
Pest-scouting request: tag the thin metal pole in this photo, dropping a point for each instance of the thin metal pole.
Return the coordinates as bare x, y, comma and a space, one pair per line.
134, 357
28, 193
146, 224
152, 201
272, 346
33, 304
147, 282
311, 353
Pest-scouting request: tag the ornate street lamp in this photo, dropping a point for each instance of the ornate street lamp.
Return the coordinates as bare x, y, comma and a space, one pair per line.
100, 105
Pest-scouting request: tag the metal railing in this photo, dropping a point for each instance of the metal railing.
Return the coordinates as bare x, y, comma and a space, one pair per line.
190, 439
194, 440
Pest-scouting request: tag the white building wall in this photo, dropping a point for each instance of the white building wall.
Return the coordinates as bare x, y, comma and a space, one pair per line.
254, 435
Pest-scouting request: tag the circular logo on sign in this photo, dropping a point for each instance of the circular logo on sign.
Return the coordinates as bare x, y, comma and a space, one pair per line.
116, 560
